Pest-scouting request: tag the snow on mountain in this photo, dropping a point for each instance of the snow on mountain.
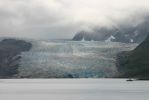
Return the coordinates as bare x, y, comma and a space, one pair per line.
110, 39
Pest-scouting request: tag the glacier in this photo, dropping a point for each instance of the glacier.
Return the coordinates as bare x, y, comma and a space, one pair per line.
71, 59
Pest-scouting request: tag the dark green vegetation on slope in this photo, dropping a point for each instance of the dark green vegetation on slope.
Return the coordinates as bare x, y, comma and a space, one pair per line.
9, 56
135, 64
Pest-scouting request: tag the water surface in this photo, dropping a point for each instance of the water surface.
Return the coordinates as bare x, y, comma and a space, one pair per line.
73, 89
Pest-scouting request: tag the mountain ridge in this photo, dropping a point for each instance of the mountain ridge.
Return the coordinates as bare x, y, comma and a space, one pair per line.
135, 63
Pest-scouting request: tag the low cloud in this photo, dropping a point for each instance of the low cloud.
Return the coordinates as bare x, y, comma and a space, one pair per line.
63, 18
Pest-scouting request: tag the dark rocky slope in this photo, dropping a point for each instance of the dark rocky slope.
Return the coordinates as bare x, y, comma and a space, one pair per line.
9, 56
135, 64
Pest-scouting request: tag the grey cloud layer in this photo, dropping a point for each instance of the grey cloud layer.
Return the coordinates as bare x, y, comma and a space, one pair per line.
62, 18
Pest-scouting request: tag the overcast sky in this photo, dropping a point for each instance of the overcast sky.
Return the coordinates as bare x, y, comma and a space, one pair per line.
63, 18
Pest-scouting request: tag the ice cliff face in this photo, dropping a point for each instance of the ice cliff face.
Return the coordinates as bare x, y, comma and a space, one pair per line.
59, 58
71, 59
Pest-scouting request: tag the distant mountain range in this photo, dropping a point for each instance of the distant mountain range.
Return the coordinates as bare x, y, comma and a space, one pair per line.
125, 33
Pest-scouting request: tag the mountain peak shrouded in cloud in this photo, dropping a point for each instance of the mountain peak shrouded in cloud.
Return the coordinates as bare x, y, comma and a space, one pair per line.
63, 18
132, 31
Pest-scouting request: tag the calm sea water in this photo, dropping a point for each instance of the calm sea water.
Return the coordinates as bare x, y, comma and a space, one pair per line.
73, 89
